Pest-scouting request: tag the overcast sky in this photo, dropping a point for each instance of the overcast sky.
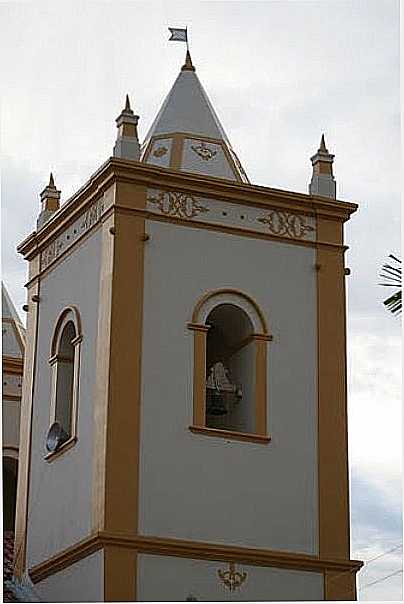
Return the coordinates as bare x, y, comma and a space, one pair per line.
279, 73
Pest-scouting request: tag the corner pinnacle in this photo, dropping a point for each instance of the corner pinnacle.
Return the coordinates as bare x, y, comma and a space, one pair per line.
127, 104
322, 145
51, 181
188, 63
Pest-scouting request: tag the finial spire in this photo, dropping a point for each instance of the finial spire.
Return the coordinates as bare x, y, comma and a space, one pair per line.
50, 202
322, 181
188, 66
127, 143
323, 148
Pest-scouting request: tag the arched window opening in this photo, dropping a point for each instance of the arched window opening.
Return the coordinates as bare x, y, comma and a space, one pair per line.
10, 471
65, 378
65, 366
230, 355
230, 367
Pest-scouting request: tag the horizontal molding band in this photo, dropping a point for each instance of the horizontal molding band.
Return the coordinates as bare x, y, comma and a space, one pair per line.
231, 434
233, 230
121, 170
189, 549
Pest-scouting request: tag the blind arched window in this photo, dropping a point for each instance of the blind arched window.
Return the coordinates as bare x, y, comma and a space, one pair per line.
65, 364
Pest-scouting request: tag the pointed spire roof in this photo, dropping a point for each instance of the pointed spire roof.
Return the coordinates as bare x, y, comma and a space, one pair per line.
51, 181
13, 331
188, 114
187, 108
323, 148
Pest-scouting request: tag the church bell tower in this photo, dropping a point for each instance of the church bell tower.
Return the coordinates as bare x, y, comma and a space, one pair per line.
184, 422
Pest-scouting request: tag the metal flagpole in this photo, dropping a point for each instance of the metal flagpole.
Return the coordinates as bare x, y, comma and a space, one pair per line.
186, 37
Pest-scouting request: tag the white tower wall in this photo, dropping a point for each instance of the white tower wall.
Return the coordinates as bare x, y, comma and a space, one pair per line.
211, 489
60, 490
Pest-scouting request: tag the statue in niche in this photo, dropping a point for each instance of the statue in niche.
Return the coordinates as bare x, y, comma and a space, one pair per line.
221, 393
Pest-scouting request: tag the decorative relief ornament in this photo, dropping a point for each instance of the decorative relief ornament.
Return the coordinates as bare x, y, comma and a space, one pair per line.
173, 203
160, 151
66, 240
92, 215
285, 223
204, 151
231, 578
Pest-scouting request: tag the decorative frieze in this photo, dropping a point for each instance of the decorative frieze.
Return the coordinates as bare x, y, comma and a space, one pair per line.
83, 224
274, 221
175, 203
286, 224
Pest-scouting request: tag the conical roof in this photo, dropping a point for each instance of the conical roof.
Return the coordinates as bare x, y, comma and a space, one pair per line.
187, 134
13, 332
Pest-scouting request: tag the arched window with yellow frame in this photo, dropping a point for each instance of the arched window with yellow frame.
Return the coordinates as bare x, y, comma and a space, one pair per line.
230, 367
65, 366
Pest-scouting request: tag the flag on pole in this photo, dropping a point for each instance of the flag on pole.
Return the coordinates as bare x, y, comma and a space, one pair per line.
178, 35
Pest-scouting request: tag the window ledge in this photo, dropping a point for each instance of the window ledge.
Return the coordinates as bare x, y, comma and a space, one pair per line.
231, 434
65, 447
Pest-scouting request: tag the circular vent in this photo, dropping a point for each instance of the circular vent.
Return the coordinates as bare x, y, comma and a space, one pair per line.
56, 437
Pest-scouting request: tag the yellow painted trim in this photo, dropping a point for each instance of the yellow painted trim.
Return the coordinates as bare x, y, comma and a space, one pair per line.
70, 250
177, 147
199, 373
120, 574
142, 174
65, 558
231, 434
28, 383
261, 402
231, 291
199, 376
68, 314
333, 482
63, 449
234, 230
74, 314
197, 550
340, 585
118, 385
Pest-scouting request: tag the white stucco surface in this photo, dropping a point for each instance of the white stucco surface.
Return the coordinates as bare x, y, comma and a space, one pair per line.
207, 488
160, 160
173, 579
60, 491
81, 582
187, 109
218, 165
271, 221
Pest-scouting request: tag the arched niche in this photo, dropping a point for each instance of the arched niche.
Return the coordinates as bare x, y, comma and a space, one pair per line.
230, 349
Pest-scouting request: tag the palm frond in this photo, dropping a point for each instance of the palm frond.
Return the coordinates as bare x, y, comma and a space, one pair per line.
392, 278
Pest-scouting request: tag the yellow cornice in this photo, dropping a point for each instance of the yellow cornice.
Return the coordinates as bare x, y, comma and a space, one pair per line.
190, 549
116, 169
